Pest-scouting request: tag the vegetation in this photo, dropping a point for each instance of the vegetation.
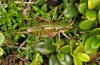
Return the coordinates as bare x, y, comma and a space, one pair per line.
64, 32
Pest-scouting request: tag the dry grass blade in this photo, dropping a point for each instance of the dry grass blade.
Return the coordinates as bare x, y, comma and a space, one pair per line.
18, 2
46, 20
27, 8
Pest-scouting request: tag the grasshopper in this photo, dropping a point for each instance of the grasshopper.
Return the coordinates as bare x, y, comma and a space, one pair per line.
48, 29
45, 29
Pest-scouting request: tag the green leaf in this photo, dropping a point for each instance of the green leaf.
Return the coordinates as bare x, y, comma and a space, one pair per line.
2, 39
35, 8
18, 8
4, 11
86, 25
50, 47
16, 37
61, 42
37, 59
77, 61
54, 44
70, 11
72, 45
92, 4
84, 37
16, 13
82, 7
11, 11
87, 46
78, 49
22, 35
65, 49
46, 15
95, 31
57, 39
55, 61
60, 56
39, 2
15, 25
98, 37
88, 42
8, 21
44, 8
44, 48
95, 43
1, 51
35, 63
67, 60
24, 28
98, 6
83, 57
99, 15
40, 58
36, 14
91, 15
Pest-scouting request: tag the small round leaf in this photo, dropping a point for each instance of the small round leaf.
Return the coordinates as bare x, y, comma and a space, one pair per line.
82, 7
91, 15
84, 57
86, 25
92, 4
95, 43
95, 31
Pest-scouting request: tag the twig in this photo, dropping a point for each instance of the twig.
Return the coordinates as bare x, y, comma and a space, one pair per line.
27, 8
21, 45
72, 21
12, 46
18, 2
0, 2
67, 36
19, 58
29, 3
23, 59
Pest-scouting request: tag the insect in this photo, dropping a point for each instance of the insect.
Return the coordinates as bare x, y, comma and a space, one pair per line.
50, 29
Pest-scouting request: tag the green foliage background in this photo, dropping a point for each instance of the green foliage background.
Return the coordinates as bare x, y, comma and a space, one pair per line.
65, 34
